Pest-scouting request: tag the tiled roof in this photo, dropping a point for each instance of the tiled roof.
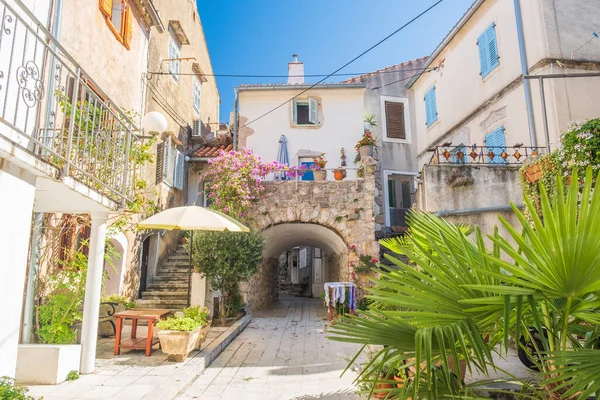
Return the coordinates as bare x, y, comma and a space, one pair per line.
211, 152
324, 85
358, 79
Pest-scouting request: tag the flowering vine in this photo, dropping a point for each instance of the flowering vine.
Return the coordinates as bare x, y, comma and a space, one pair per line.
365, 262
236, 180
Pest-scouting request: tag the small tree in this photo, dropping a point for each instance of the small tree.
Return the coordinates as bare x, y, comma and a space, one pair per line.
226, 258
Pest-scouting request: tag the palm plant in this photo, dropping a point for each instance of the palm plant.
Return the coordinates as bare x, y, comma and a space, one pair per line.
436, 309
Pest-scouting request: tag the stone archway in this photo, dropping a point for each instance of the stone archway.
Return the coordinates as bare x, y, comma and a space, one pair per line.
331, 215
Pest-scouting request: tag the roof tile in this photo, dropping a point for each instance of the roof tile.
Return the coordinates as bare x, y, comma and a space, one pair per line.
211, 151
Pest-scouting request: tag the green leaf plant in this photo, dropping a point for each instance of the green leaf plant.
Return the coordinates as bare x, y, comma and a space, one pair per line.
459, 300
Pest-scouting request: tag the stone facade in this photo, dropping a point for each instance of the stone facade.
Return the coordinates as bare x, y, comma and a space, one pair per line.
331, 215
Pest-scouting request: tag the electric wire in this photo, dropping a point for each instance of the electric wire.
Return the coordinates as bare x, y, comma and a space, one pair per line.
348, 63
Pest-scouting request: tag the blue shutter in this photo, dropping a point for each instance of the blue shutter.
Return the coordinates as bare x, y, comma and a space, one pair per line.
430, 106
496, 142
488, 50
484, 59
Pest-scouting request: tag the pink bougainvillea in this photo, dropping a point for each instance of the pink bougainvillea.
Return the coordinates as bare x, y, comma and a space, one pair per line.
236, 180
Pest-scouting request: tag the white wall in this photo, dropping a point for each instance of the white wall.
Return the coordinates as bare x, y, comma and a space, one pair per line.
16, 207
340, 117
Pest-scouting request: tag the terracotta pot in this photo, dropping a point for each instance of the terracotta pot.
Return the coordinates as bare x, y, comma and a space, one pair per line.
338, 174
320, 175
400, 380
365, 151
383, 385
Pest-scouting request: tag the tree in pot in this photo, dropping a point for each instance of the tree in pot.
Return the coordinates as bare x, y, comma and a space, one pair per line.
227, 258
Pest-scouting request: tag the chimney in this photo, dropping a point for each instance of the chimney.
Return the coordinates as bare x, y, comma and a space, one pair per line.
295, 72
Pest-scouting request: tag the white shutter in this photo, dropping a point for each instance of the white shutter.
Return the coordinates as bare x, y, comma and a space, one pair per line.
294, 112
179, 170
313, 111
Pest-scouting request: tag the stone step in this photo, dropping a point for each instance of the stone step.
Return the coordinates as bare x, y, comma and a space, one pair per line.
176, 263
172, 274
167, 286
174, 279
160, 297
178, 257
173, 294
169, 304
173, 269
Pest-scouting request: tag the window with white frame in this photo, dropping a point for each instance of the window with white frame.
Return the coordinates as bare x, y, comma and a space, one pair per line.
196, 95
170, 165
395, 119
174, 54
305, 112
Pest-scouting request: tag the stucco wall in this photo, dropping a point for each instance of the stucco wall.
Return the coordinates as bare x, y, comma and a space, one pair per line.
340, 117
465, 100
118, 71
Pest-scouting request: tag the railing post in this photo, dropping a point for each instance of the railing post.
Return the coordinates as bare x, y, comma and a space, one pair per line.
129, 139
72, 123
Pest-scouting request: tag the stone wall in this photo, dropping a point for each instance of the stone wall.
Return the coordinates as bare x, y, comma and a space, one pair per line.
345, 208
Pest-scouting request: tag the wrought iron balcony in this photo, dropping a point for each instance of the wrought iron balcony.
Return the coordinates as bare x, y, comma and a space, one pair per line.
53, 109
470, 155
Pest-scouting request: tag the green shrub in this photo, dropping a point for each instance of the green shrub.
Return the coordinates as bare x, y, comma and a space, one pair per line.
8, 391
72, 375
184, 324
197, 313
115, 298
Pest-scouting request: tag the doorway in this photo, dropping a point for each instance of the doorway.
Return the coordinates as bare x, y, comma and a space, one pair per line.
144, 266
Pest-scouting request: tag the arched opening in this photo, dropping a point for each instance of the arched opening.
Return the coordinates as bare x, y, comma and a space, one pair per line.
114, 265
298, 259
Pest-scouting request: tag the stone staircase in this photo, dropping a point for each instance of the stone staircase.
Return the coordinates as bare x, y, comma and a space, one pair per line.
169, 289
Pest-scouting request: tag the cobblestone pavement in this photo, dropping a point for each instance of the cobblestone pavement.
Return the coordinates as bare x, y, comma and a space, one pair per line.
283, 354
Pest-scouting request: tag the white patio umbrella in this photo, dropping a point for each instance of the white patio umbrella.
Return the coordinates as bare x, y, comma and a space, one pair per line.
192, 218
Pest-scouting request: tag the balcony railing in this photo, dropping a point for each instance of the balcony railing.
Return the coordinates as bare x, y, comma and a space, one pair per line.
470, 155
52, 108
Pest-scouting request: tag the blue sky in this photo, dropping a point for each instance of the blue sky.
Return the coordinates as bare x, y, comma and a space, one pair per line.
258, 37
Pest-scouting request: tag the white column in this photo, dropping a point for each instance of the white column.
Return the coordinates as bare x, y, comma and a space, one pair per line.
93, 286
17, 192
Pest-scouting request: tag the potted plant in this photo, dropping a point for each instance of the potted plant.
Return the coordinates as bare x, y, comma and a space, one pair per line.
400, 374
370, 122
365, 145
385, 383
181, 334
319, 168
338, 174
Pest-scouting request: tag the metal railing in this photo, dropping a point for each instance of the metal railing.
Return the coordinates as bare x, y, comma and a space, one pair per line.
52, 108
470, 155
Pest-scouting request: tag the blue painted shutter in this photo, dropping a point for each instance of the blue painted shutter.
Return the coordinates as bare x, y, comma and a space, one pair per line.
496, 142
431, 106
484, 58
492, 47
309, 175
434, 112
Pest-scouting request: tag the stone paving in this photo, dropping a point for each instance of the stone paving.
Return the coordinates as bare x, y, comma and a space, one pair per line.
283, 354
132, 375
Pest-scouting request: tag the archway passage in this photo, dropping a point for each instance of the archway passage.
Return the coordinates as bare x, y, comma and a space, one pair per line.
298, 259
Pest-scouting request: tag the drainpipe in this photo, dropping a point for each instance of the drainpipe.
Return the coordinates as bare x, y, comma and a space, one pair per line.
470, 211
235, 117
525, 71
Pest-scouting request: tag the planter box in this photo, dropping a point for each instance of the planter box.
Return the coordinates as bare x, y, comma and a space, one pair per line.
46, 364
178, 344
203, 334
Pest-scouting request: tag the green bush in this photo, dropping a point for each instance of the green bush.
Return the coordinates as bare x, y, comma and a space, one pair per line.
72, 375
197, 313
191, 319
8, 391
115, 298
580, 148
227, 258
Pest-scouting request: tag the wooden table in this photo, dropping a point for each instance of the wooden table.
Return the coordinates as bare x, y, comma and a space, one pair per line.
134, 343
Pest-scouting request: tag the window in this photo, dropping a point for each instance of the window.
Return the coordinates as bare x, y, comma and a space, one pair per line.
399, 192
308, 175
174, 54
431, 106
495, 142
488, 50
170, 165
395, 119
119, 19
305, 112
196, 94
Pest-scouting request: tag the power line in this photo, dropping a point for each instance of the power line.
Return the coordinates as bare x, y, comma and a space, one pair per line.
348, 63
284, 76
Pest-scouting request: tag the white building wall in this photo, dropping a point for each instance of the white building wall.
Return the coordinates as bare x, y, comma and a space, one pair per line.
16, 207
340, 117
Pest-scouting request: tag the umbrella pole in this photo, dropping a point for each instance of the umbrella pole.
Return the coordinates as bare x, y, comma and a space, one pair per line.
189, 292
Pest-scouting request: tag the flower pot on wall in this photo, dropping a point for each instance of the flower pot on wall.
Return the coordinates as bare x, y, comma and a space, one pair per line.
178, 344
386, 386
338, 174
320, 175
368, 126
366, 151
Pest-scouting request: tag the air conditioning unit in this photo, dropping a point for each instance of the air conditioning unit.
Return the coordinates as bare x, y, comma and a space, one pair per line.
196, 128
